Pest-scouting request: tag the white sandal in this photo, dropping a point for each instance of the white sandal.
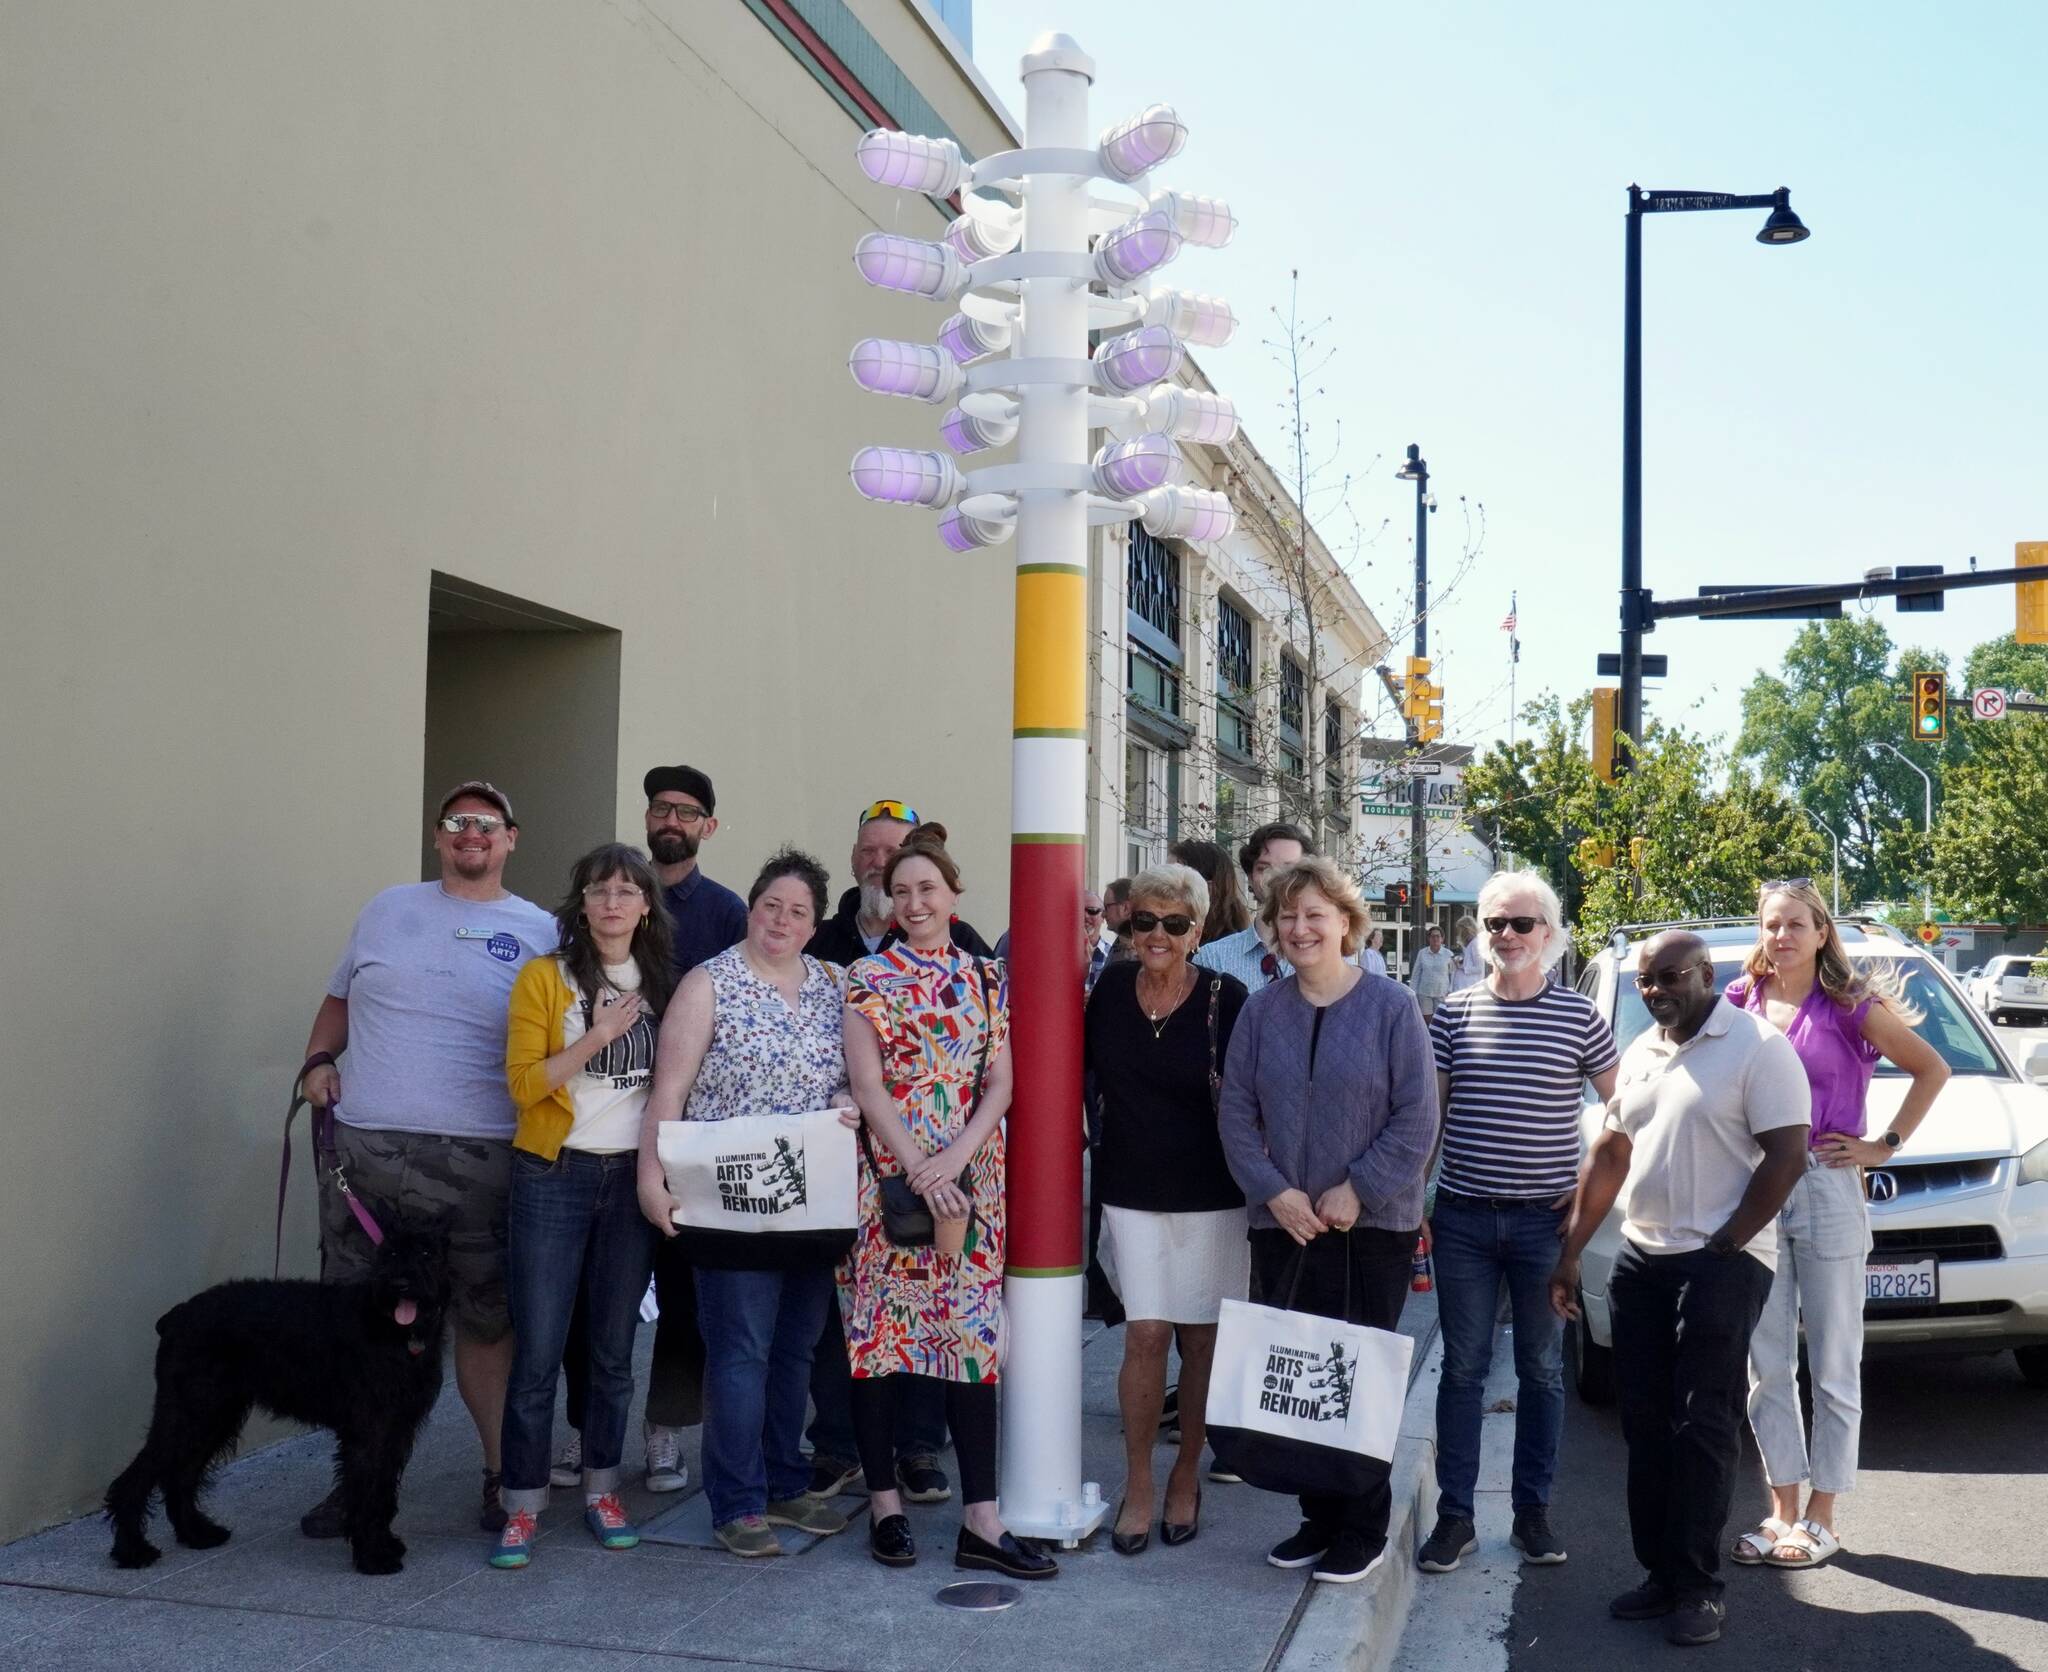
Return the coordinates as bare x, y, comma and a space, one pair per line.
1754, 1548
1809, 1543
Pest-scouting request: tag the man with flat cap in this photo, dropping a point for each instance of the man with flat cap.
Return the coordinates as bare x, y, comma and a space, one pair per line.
708, 917
1704, 1138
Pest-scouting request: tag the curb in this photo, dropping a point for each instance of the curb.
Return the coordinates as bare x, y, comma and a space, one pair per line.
1357, 1628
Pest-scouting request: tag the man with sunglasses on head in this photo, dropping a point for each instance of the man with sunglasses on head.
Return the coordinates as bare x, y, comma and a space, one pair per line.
423, 1122
1703, 1141
865, 923
708, 917
1267, 851
1512, 1053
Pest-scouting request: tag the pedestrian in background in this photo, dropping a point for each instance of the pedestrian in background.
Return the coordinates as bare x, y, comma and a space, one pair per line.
1512, 1055
1116, 916
926, 1030
1430, 974
755, 1030
1329, 1114
424, 1129
579, 1052
1157, 1032
1267, 851
1703, 1141
1372, 957
1841, 1021
1229, 912
1469, 950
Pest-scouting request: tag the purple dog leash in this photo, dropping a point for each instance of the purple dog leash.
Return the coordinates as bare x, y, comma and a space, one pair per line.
325, 1160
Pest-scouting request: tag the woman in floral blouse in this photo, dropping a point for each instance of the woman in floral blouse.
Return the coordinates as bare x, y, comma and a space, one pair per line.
755, 1031
925, 1030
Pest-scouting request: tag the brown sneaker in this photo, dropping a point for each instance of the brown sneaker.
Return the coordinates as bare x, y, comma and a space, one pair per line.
748, 1536
810, 1515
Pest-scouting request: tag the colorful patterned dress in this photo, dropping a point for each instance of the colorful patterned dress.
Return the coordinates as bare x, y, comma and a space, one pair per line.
916, 1309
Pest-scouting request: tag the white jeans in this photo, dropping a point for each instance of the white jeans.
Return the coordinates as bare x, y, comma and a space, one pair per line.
1823, 1238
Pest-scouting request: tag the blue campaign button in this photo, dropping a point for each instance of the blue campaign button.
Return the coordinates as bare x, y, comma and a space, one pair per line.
503, 947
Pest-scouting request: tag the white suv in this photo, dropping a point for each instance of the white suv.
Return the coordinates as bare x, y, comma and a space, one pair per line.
1959, 1219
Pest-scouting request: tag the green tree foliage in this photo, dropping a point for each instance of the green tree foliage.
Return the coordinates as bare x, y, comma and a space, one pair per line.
1707, 844
1814, 726
1991, 844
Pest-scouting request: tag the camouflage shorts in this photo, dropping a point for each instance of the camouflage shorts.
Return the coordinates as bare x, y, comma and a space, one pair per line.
463, 1182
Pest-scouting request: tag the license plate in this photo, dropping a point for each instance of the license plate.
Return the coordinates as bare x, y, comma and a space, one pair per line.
1895, 1284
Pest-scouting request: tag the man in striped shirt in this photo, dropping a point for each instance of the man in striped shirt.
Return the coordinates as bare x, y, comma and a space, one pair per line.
1512, 1054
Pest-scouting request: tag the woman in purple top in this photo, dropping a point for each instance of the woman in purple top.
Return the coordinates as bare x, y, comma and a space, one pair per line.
1840, 1020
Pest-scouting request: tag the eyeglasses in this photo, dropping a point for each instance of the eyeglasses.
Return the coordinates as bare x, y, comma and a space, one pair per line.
1091, 911
902, 811
1784, 883
457, 824
625, 892
1520, 925
677, 812
1664, 980
1145, 922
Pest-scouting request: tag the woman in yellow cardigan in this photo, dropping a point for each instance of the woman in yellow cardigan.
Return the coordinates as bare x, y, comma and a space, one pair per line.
579, 1053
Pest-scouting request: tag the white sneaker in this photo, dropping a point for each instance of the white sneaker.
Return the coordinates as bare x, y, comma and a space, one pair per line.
567, 1469
666, 1471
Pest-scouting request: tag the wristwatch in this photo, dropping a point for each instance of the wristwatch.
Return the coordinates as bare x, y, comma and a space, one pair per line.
1890, 1140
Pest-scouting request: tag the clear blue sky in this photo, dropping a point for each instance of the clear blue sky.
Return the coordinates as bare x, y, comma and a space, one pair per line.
1449, 180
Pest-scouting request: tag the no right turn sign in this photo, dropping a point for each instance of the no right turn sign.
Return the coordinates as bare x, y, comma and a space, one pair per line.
1987, 702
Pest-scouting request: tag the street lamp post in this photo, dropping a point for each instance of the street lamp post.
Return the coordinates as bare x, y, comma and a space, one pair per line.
1926, 821
1830, 830
1782, 227
1035, 262
1416, 470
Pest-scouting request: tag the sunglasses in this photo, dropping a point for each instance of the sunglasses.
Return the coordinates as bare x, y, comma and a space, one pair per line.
1665, 980
1176, 924
1783, 883
1520, 925
901, 811
456, 824
1091, 911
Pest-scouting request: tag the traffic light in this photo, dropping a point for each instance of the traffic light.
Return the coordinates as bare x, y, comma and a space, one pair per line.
1422, 703
2031, 597
1638, 851
1595, 854
1395, 895
1930, 707
1606, 706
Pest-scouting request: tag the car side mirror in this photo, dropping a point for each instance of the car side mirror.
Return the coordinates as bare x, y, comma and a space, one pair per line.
2037, 1065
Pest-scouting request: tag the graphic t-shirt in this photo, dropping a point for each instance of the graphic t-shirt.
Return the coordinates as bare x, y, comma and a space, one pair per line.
610, 1091
428, 980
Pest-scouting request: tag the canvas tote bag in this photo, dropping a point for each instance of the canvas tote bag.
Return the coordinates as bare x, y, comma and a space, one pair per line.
1305, 1404
761, 1192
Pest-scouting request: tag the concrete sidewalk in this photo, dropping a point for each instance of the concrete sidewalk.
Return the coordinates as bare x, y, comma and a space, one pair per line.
271, 1599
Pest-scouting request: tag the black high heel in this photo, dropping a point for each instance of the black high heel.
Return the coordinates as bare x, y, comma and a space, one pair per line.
1127, 1544
1182, 1532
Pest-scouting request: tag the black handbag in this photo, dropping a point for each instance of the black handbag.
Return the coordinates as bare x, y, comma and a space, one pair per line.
906, 1219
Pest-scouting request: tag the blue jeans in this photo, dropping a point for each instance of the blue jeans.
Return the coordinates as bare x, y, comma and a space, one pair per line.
574, 1226
1478, 1245
760, 1329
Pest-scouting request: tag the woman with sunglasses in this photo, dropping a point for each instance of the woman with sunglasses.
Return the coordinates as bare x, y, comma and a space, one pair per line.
1840, 1020
1173, 1219
579, 1053
1512, 1054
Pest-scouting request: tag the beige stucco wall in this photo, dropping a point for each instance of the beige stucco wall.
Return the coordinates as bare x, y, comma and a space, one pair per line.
303, 303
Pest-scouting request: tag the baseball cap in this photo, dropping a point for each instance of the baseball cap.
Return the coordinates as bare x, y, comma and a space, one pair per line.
482, 788
681, 780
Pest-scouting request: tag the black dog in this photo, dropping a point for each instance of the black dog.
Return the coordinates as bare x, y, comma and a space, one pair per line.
363, 1359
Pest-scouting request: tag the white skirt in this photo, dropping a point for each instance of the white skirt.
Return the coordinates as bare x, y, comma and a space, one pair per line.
1178, 1268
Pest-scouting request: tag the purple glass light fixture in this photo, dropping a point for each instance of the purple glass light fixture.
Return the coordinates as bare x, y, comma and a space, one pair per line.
1207, 320
905, 476
1139, 357
1138, 144
975, 240
911, 162
1206, 221
917, 371
890, 261
1126, 469
967, 338
965, 433
1141, 245
1194, 514
961, 533
1191, 414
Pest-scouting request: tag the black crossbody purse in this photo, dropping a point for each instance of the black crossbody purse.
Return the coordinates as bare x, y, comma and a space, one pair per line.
906, 1219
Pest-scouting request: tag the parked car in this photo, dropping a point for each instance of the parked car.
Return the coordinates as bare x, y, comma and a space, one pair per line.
2013, 987
1959, 1219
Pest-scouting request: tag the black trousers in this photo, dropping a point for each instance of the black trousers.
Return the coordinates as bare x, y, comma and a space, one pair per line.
1362, 1277
1681, 1360
970, 1413
675, 1377
920, 1408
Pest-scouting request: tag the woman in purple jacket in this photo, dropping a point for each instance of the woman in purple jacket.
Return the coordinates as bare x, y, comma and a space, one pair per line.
1328, 1117
1840, 1020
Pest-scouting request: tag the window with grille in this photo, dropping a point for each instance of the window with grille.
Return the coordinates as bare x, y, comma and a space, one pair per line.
1293, 703
1233, 680
1333, 758
1153, 577
1152, 683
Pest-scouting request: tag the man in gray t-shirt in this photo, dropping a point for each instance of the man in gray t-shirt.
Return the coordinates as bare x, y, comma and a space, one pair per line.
423, 1126
1703, 1141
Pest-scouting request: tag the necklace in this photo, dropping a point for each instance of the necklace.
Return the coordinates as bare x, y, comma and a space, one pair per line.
1159, 1019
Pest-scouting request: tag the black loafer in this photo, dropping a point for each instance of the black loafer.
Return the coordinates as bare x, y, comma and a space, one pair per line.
1127, 1544
890, 1543
1182, 1532
1005, 1556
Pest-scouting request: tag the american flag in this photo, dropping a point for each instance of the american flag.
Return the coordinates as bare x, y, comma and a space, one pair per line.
1508, 623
